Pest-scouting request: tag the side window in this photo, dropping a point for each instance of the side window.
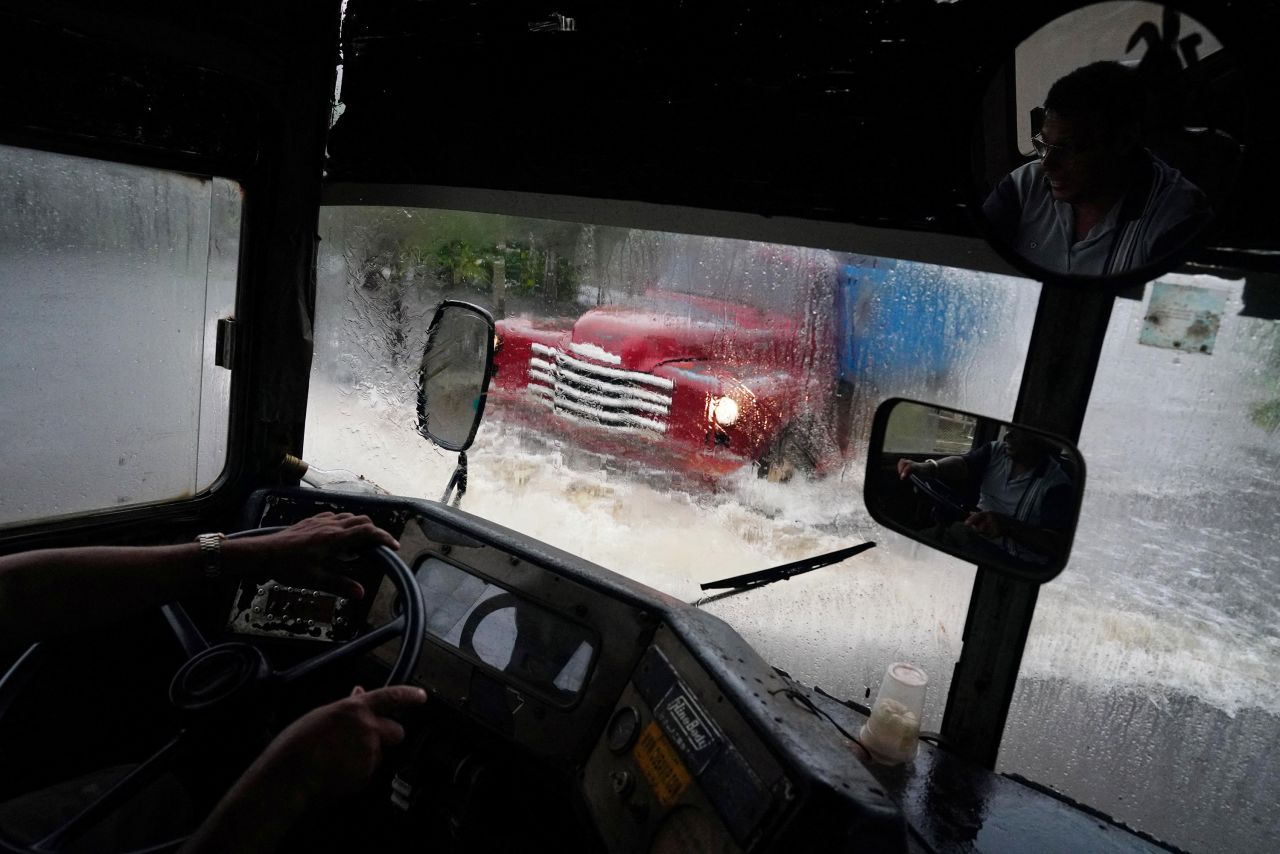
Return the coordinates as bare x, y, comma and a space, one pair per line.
1149, 684
113, 278
917, 430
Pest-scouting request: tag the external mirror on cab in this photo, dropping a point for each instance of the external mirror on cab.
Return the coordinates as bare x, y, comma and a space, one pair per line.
454, 377
1110, 144
1000, 495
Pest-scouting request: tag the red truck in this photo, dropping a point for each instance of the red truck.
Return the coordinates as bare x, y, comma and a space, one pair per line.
707, 370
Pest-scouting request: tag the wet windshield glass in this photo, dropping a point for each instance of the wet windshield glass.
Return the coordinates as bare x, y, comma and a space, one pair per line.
678, 409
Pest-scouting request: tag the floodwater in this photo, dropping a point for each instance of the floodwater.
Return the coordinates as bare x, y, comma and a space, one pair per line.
1150, 687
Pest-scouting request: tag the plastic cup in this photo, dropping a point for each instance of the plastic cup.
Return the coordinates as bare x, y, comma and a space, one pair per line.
892, 734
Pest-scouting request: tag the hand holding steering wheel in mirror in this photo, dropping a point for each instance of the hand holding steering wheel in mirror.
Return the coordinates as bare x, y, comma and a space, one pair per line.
941, 495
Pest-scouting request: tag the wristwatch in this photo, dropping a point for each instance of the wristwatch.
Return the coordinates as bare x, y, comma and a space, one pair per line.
211, 554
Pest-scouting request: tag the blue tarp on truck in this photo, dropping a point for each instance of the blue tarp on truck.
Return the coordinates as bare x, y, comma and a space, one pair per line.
899, 323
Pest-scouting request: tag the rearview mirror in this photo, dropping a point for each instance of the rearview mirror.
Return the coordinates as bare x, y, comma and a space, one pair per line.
454, 377
1000, 495
1110, 144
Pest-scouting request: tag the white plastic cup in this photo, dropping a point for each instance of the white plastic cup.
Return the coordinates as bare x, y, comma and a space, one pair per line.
892, 734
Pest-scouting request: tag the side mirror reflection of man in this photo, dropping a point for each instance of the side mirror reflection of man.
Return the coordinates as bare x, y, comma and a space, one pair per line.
1025, 500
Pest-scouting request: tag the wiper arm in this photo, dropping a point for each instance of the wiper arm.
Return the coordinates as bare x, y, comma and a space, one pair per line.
752, 580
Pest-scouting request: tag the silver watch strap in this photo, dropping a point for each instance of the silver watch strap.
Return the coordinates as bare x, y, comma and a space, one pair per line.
211, 554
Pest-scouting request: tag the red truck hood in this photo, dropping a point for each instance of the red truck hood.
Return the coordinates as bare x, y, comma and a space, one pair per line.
685, 328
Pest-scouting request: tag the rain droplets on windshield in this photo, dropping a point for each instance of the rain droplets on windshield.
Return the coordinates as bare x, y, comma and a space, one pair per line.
747, 373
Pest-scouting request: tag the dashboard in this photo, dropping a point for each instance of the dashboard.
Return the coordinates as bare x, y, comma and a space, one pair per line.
670, 732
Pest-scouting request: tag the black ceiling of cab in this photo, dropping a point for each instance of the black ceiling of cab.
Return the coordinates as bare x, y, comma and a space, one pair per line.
835, 110
839, 111
186, 85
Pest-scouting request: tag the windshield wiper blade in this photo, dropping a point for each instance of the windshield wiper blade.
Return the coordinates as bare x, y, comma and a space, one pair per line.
752, 580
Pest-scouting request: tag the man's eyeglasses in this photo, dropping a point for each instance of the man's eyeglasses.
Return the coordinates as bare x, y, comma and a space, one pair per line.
1044, 149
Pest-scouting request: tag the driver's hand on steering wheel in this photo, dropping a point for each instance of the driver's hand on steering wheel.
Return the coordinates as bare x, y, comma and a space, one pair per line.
907, 467
301, 553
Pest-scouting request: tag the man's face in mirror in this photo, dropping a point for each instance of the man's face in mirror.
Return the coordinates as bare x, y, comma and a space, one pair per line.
1082, 161
1026, 449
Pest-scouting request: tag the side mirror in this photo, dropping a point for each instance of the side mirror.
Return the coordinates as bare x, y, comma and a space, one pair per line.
997, 494
454, 377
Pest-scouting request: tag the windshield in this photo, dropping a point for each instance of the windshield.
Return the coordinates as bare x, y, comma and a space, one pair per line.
1155, 656
750, 373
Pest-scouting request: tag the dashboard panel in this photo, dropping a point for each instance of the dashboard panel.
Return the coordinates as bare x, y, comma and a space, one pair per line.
673, 733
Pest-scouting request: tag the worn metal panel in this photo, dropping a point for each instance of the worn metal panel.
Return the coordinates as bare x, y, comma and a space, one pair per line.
1183, 317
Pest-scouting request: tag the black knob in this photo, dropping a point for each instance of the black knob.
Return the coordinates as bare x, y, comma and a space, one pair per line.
623, 729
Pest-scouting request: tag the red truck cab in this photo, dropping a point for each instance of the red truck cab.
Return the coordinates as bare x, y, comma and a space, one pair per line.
696, 383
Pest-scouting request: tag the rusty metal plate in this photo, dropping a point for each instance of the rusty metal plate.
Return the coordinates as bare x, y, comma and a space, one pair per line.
1183, 317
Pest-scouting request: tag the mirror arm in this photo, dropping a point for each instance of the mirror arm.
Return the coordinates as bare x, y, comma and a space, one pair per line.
459, 480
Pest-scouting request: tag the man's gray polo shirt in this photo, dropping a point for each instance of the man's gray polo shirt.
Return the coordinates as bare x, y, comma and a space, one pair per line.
1041, 498
1159, 211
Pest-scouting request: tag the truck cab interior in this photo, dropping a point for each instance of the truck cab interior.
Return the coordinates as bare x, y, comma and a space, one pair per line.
186, 191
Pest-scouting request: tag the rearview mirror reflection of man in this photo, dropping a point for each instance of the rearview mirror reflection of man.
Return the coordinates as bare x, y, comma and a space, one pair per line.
1095, 201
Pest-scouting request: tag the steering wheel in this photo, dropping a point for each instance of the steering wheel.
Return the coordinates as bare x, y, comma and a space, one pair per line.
215, 678
943, 496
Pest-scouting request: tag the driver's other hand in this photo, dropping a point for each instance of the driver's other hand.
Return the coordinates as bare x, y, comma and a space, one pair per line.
986, 523
300, 553
907, 467
334, 751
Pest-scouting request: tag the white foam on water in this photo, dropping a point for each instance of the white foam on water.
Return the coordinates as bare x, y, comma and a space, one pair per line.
899, 601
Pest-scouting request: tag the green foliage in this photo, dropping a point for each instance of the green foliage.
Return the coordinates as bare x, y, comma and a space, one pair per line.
528, 269
460, 263
1267, 415
392, 251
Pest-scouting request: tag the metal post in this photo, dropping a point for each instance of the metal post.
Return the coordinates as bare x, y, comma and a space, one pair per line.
499, 289
1070, 327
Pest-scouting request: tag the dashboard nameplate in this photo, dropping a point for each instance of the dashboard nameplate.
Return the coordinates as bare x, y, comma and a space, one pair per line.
694, 734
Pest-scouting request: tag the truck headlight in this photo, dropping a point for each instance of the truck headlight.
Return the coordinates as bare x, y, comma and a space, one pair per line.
725, 410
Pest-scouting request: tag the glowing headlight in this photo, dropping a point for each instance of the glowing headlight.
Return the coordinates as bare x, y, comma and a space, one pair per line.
725, 410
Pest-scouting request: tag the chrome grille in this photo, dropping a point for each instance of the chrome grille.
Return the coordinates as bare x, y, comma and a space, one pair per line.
612, 397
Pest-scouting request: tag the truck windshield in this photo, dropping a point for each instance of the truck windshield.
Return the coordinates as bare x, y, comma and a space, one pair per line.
679, 409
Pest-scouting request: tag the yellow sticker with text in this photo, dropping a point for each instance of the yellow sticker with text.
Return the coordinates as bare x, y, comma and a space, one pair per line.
665, 772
